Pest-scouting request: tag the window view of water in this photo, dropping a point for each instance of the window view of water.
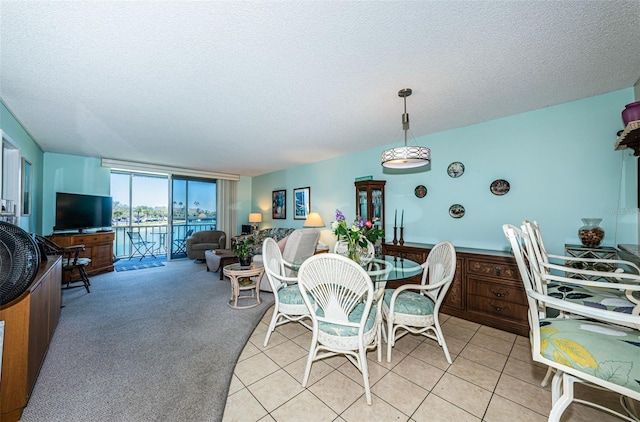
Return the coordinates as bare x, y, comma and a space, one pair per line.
141, 204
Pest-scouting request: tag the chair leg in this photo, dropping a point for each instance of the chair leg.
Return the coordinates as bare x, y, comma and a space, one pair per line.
389, 339
443, 343
565, 399
272, 325
85, 278
547, 376
364, 368
312, 354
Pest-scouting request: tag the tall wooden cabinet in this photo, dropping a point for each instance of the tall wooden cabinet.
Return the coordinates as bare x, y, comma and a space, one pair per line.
30, 321
97, 246
370, 201
486, 288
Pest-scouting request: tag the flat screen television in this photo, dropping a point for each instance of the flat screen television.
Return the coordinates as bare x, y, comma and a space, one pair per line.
80, 212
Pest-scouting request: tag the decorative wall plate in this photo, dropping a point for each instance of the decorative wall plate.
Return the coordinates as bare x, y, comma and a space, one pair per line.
456, 211
455, 169
420, 191
500, 187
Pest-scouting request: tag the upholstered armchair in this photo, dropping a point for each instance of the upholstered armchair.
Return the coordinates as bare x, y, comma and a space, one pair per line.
204, 240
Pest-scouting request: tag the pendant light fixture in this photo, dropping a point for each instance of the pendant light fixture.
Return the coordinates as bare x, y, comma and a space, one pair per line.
406, 157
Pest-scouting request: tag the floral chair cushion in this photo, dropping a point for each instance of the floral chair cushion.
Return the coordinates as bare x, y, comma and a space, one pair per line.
604, 351
590, 296
409, 302
291, 295
354, 316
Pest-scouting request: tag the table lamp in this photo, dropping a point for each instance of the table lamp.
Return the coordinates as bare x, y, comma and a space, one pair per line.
255, 218
313, 221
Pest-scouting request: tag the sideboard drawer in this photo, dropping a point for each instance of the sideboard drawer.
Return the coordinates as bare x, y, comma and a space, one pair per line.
497, 291
492, 269
506, 310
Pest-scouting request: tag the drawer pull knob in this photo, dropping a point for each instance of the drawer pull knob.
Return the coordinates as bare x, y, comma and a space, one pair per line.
499, 294
498, 270
499, 308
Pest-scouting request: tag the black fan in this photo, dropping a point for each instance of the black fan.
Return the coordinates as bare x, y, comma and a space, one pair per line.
19, 261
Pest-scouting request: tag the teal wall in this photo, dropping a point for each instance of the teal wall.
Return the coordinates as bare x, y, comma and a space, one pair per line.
14, 131
560, 162
72, 174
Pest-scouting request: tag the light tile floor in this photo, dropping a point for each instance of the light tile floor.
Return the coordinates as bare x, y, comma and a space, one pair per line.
492, 378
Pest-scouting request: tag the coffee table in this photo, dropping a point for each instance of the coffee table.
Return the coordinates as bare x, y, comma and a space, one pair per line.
244, 278
217, 261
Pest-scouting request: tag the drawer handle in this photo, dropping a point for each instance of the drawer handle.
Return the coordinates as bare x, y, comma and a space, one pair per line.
499, 294
499, 308
498, 270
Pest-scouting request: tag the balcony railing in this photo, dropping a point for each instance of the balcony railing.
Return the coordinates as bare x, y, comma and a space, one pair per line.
157, 233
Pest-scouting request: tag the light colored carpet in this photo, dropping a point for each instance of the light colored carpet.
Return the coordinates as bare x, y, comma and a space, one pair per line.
153, 345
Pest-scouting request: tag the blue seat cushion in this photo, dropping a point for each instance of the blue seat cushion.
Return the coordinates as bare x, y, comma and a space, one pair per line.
291, 295
605, 351
590, 296
409, 302
354, 316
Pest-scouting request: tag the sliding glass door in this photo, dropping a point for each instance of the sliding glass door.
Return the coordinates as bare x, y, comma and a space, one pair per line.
193, 208
140, 205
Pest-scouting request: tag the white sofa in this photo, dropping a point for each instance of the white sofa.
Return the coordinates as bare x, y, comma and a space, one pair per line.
299, 244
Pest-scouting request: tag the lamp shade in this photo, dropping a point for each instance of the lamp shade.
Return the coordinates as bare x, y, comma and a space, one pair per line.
406, 157
313, 220
255, 217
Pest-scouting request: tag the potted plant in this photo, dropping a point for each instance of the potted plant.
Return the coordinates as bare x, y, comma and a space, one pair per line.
242, 249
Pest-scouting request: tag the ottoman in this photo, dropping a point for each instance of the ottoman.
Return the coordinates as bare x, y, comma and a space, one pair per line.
217, 261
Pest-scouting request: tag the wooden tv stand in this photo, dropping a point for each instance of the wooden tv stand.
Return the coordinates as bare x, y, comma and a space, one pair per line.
30, 321
98, 247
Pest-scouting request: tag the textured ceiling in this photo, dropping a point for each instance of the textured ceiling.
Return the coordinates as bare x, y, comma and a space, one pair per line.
252, 87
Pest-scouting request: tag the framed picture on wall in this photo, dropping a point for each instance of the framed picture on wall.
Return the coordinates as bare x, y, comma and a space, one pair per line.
25, 192
279, 204
301, 203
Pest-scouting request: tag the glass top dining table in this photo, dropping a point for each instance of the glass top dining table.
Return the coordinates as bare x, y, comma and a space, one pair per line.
385, 268
391, 268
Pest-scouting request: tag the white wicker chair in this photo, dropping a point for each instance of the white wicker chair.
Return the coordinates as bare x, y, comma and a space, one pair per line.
414, 308
289, 305
339, 294
601, 350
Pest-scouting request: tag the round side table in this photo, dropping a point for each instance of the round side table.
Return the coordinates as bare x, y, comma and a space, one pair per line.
244, 278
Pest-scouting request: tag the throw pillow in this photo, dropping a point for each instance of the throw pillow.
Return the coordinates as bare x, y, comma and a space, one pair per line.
281, 243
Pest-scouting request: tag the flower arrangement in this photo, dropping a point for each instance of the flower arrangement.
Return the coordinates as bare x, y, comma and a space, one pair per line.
357, 234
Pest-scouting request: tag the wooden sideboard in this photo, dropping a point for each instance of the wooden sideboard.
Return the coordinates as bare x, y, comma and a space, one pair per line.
486, 288
30, 321
98, 247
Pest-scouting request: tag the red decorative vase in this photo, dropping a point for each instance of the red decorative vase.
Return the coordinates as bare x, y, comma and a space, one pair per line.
631, 113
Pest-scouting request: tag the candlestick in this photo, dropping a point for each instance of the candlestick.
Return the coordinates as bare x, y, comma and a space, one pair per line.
401, 236
395, 235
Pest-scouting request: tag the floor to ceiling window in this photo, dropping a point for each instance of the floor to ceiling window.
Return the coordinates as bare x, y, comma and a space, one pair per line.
193, 209
140, 204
